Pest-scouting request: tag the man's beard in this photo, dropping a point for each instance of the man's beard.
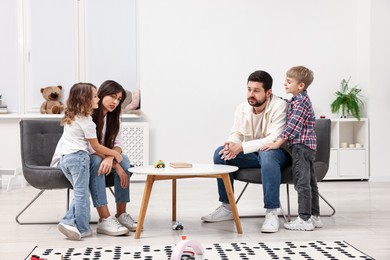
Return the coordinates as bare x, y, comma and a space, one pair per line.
257, 103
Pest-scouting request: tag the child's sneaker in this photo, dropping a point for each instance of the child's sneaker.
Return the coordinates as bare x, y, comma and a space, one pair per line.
127, 221
110, 226
300, 224
316, 221
69, 231
87, 233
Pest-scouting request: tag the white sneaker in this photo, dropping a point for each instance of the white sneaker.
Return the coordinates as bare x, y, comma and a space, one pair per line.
220, 214
110, 226
127, 221
87, 233
271, 222
316, 221
300, 224
70, 232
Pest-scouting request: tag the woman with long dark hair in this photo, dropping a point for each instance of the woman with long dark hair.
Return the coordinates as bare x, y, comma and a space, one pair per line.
102, 168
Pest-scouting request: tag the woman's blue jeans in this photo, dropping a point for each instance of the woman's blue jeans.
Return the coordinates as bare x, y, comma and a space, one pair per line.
75, 167
97, 183
271, 162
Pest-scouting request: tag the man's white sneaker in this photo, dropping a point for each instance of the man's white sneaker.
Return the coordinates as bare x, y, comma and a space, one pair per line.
70, 232
110, 226
316, 221
220, 214
127, 221
300, 224
271, 222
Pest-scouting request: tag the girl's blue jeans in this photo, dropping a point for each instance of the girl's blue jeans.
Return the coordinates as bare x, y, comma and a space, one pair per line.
75, 166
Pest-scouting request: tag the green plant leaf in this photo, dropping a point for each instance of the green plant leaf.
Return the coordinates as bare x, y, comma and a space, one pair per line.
347, 100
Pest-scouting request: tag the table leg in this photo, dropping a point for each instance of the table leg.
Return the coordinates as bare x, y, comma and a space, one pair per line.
173, 199
229, 192
144, 205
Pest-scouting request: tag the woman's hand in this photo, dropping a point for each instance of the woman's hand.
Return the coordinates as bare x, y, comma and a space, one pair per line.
106, 165
118, 156
122, 175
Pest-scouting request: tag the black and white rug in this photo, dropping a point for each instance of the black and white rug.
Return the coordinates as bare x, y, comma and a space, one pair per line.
224, 251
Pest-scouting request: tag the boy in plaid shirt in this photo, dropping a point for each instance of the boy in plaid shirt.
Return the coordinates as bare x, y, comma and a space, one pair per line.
301, 138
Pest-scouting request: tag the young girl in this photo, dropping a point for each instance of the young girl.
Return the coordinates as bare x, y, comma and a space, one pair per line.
79, 130
107, 119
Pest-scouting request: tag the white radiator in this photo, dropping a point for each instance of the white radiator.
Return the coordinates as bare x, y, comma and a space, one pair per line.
136, 144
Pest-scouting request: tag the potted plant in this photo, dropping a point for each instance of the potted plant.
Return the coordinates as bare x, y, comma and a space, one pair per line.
347, 100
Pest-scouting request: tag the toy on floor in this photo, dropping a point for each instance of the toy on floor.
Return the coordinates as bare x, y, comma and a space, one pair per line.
187, 249
36, 257
159, 164
177, 226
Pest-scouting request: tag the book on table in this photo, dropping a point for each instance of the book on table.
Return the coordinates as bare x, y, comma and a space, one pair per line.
180, 165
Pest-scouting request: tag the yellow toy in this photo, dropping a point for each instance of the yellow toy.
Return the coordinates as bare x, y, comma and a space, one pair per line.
159, 164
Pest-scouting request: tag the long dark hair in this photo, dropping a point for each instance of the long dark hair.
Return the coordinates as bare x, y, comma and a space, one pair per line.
108, 87
79, 102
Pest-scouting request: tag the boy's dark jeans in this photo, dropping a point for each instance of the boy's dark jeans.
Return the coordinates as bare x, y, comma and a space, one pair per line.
305, 181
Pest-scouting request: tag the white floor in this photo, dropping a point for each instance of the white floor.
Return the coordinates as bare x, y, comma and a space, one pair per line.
362, 217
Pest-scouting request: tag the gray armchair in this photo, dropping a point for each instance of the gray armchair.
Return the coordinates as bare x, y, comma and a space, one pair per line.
321, 165
38, 139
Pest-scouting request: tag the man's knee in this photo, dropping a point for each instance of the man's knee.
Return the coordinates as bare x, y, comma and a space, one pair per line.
217, 156
271, 157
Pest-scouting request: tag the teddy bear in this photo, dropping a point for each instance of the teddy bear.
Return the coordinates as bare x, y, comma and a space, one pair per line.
52, 104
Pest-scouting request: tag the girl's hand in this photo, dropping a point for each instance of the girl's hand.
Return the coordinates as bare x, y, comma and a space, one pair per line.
106, 165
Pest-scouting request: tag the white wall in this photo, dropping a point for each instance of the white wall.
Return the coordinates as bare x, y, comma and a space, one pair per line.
195, 57
379, 91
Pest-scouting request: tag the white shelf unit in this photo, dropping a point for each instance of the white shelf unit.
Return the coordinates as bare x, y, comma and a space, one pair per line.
347, 163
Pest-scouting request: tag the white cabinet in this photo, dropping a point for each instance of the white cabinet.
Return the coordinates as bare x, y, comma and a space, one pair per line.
349, 155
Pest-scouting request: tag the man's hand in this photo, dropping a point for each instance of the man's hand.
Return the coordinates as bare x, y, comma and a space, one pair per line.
274, 145
230, 150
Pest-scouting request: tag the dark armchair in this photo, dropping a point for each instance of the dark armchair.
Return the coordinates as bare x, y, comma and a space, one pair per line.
38, 139
321, 165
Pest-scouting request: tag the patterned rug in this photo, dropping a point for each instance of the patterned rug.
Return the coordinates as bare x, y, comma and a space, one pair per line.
225, 251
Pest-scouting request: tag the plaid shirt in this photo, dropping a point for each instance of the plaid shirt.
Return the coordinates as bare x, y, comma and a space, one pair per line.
300, 122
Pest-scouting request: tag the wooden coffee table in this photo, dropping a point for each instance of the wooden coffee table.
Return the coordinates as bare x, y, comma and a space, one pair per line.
170, 173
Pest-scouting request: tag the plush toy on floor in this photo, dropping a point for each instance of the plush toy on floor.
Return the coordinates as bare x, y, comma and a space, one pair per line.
52, 103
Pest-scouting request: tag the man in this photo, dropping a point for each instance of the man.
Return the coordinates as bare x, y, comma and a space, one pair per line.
257, 122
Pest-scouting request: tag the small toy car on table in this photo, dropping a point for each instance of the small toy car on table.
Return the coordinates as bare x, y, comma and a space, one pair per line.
159, 164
